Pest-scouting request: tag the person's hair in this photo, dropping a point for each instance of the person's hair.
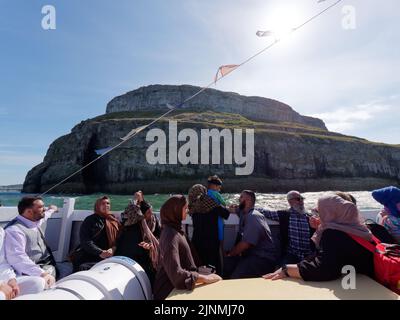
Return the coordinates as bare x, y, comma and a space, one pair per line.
251, 194
27, 203
98, 202
346, 196
175, 204
214, 180
171, 210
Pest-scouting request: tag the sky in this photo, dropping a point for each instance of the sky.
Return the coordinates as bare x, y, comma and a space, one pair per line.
343, 67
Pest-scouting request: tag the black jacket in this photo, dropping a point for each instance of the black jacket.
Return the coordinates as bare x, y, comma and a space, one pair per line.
337, 250
205, 236
93, 239
128, 245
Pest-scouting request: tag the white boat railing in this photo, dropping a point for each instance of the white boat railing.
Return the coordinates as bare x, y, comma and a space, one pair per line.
59, 227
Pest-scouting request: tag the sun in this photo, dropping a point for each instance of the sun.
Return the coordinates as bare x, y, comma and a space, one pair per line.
282, 20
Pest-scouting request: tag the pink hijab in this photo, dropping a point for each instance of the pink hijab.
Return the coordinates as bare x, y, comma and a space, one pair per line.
339, 214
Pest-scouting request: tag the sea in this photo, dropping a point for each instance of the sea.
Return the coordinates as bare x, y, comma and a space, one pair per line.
273, 201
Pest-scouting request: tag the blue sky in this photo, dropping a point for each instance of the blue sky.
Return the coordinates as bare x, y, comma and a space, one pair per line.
50, 80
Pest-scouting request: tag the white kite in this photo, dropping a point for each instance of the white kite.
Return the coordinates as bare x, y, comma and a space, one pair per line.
100, 152
132, 132
265, 33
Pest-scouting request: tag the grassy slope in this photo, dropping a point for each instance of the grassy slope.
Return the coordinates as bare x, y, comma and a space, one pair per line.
230, 121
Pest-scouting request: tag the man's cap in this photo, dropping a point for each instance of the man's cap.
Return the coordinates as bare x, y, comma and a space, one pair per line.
294, 195
214, 180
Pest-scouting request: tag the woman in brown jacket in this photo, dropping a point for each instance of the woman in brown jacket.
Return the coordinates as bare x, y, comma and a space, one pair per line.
176, 268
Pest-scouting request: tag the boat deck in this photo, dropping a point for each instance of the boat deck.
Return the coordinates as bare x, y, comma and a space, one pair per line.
286, 289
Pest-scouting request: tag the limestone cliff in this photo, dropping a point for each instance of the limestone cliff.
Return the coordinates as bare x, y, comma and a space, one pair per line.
256, 108
288, 155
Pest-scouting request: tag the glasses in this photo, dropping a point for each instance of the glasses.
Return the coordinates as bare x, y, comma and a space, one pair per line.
298, 199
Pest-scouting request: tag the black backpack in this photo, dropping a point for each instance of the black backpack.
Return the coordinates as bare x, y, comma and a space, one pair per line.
379, 231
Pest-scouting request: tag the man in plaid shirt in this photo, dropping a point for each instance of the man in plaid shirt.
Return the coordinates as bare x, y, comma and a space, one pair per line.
295, 229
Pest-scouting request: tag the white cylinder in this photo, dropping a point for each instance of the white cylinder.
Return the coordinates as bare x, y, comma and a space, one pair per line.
116, 278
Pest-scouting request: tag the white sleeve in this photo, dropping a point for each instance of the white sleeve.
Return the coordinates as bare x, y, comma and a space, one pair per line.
47, 215
6, 271
16, 255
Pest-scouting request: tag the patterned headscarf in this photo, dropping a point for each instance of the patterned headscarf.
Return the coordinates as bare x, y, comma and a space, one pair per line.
131, 215
199, 201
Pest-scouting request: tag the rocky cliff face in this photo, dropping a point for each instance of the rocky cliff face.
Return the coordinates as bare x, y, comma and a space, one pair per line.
257, 108
287, 156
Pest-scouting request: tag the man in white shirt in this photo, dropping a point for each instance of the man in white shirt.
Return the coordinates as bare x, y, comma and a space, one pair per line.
25, 247
11, 285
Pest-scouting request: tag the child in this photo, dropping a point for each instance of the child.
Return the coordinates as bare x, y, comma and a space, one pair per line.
213, 188
389, 217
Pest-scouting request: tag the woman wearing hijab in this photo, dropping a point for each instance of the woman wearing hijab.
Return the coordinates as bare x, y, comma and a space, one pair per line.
137, 242
176, 268
98, 235
339, 220
389, 217
205, 212
152, 221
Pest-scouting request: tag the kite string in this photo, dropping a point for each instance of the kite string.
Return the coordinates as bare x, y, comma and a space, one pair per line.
108, 151
191, 97
263, 50
292, 31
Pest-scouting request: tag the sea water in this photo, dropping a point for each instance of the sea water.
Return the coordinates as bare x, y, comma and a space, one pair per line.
274, 201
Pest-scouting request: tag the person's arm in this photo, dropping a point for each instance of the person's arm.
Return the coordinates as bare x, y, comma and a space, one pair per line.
272, 215
48, 213
252, 233
391, 224
6, 271
88, 231
14, 248
239, 249
14, 286
221, 212
6, 292
179, 277
288, 271
208, 278
327, 263
157, 230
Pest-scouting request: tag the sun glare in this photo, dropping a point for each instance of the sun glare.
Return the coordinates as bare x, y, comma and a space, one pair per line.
282, 20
